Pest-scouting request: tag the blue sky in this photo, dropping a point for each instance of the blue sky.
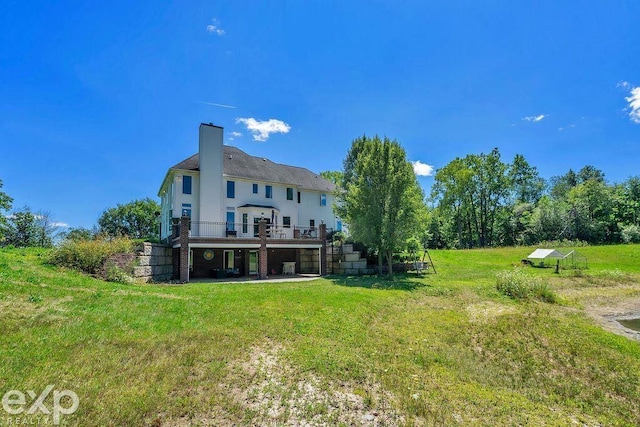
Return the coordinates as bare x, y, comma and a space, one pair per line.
98, 99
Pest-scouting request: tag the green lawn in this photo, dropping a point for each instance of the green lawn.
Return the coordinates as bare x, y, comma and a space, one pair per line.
443, 349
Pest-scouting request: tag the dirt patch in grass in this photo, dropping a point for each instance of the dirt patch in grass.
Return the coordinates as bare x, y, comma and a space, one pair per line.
487, 310
264, 389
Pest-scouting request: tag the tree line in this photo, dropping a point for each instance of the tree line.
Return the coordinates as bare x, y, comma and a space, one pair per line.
24, 227
480, 201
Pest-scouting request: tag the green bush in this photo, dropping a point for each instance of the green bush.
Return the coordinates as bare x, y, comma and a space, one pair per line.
113, 273
518, 284
631, 234
89, 256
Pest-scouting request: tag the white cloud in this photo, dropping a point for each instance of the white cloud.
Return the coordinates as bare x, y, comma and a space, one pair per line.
261, 130
60, 224
634, 104
422, 169
236, 134
215, 29
623, 84
534, 118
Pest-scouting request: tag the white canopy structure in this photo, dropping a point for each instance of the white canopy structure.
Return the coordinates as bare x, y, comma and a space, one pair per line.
542, 254
572, 258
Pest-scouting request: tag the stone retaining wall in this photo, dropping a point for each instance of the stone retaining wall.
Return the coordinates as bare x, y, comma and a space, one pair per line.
154, 262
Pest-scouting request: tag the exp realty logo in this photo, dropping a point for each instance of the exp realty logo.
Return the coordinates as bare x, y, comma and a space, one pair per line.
36, 410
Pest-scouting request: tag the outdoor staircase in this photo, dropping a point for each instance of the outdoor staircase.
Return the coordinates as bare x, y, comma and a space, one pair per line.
344, 260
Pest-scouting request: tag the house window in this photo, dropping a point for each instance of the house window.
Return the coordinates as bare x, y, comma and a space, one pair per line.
312, 223
289, 193
186, 184
245, 222
231, 220
323, 199
286, 221
186, 209
298, 197
255, 188
338, 225
231, 189
268, 191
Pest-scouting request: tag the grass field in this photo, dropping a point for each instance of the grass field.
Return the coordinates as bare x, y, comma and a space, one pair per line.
441, 349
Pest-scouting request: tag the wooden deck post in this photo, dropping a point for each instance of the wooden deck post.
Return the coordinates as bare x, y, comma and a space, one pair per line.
184, 249
262, 255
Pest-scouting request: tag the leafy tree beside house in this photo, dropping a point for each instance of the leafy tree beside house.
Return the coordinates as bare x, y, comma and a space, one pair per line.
136, 219
382, 199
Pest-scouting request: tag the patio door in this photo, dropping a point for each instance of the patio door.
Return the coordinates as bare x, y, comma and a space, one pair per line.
253, 262
228, 260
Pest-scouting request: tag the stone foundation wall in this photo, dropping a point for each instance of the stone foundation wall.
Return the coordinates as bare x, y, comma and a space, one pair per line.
154, 262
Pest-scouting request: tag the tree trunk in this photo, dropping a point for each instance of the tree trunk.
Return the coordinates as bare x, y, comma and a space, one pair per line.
390, 263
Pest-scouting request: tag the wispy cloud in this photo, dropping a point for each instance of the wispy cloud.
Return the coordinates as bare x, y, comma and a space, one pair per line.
534, 118
215, 28
235, 135
422, 169
634, 102
261, 130
215, 104
572, 125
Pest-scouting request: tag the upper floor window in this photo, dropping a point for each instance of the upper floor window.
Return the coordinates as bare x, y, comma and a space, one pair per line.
231, 189
289, 193
298, 197
186, 184
323, 199
268, 191
255, 188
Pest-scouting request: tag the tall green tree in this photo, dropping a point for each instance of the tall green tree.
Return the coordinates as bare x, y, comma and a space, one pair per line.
136, 219
5, 206
382, 199
29, 229
474, 189
333, 176
526, 183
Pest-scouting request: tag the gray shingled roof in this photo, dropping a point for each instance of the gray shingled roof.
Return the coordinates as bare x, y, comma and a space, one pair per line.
239, 164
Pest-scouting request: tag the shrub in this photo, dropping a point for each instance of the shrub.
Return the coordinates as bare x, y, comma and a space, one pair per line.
89, 256
631, 234
113, 273
518, 284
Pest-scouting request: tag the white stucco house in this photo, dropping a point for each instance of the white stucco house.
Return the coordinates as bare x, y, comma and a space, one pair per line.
223, 194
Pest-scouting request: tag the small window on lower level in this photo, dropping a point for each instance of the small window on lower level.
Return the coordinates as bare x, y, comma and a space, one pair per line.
286, 221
